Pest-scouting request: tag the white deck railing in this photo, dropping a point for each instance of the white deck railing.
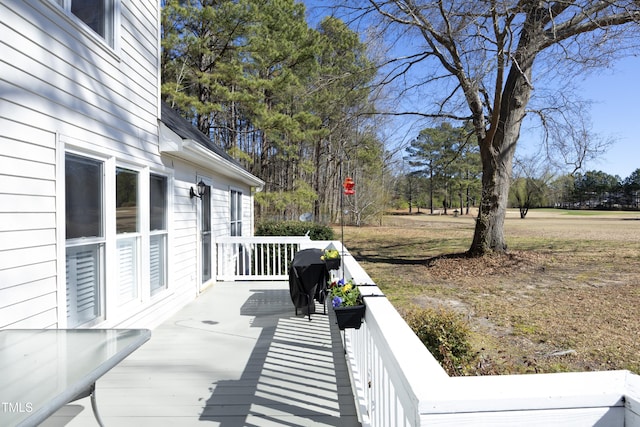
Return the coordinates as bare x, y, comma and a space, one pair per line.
256, 258
397, 382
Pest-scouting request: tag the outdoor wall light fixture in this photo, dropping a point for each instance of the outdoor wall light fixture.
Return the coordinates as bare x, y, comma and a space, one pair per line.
201, 189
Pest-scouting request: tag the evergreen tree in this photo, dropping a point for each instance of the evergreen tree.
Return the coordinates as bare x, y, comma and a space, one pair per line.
286, 100
444, 156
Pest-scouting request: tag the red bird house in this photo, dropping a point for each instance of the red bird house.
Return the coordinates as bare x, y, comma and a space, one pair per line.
348, 186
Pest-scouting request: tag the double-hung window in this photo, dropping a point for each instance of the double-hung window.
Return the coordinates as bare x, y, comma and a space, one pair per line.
236, 213
85, 239
157, 233
127, 234
117, 229
98, 15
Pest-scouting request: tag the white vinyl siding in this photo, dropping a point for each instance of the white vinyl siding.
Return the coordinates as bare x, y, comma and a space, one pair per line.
28, 297
58, 80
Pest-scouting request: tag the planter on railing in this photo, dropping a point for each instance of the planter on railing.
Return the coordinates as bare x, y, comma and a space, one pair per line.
349, 317
331, 258
333, 263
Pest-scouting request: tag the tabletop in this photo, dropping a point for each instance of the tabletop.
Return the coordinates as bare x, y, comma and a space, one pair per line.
42, 370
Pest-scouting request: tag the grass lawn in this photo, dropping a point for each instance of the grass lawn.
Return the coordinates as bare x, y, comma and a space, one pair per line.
566, 297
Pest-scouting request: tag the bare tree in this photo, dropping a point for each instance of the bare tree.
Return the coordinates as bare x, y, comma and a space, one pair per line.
483, 53
531, 178
569, 142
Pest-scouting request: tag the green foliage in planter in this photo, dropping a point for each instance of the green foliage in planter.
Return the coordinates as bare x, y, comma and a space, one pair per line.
294, 228
445, 334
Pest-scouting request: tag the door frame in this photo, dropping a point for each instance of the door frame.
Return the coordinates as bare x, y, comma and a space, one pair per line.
206, 198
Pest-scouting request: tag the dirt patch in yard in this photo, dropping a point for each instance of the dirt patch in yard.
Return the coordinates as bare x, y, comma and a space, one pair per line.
564, 298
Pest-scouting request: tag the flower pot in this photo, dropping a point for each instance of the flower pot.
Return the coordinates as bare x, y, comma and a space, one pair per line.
333, 263
349, 317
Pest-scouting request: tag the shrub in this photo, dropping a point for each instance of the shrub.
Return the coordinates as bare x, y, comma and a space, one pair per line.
294, 228
445, 334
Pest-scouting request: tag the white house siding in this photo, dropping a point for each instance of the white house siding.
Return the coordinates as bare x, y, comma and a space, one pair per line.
62, 87
187, 211
27, 226
63, 78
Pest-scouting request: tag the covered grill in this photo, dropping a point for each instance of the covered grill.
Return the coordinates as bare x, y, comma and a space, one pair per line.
308, 276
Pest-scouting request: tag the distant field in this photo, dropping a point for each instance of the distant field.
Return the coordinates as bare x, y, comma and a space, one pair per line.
566, 298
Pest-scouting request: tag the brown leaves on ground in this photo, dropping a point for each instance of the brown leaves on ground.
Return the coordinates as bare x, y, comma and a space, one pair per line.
454, 267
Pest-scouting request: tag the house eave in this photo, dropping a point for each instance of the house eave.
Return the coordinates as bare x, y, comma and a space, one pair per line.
192, 151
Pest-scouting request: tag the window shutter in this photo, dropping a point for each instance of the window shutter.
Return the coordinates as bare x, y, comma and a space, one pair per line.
83, 278
157, 262
127, 271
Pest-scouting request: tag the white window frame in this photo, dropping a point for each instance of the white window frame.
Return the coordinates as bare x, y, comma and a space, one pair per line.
164, 234
111, 35
111, 311
98, 242
132, 238
238, 199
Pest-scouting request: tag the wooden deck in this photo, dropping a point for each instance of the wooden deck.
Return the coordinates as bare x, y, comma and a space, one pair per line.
236, 356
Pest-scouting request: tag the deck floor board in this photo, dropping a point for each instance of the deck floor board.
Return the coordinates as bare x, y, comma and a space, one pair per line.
236, 356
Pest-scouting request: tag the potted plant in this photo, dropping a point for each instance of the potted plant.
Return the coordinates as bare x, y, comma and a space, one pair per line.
347, 304
331, 257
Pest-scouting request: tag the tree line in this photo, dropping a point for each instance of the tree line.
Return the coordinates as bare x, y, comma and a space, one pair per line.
443, 172
594, 190
291, 103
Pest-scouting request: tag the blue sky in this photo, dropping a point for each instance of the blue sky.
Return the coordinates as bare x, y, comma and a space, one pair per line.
615, 112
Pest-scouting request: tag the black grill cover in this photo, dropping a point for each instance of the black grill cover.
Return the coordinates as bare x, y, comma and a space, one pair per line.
308, 277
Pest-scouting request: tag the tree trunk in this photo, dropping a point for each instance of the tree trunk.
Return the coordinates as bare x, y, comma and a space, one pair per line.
430, 189
467, 212
497, 161
316, 181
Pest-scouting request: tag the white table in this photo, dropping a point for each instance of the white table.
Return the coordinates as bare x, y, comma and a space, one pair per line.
42, 370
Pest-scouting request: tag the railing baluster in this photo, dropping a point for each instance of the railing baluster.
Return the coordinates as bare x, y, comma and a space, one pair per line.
258, 256
262, 258
279, 265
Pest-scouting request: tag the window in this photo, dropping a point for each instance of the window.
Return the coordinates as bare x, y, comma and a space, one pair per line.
128, 238
85, 240
96, 14
158, 233
126, 201
236, 213
117, 228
